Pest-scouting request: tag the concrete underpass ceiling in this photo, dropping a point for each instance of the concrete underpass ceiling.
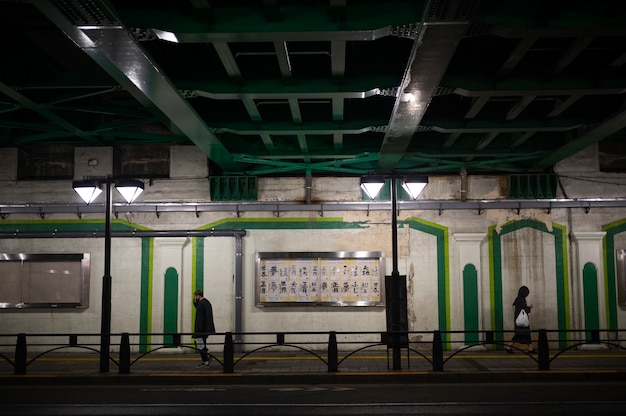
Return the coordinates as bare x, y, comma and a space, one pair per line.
289, 87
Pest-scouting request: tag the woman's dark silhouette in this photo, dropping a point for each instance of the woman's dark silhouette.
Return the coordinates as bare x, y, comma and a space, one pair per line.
522, 333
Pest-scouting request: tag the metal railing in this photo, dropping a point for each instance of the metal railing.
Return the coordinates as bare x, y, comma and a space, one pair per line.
437, 348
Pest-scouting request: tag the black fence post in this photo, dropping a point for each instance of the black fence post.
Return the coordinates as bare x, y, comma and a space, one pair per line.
20, 354
595, 336
544, 351
437, 352
333, 355
125, 354
229, 353
489, 337
396, 351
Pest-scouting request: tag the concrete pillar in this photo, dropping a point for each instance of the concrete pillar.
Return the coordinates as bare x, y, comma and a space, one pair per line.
469, 253
169, 253
588, 250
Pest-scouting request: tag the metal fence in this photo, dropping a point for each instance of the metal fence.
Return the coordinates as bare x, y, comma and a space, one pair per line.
437, 348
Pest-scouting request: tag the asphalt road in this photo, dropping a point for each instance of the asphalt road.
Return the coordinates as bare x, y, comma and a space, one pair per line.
576, 398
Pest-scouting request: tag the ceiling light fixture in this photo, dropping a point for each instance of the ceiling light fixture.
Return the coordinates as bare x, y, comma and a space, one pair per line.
414, 185
372, 185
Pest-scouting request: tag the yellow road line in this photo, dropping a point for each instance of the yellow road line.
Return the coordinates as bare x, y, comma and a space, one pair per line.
195, 375
571, 371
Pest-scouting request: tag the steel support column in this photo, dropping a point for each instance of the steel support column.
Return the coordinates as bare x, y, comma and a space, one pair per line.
105, 318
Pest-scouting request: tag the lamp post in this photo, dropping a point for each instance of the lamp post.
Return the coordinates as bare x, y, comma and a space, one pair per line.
89, 190
398, 300
396, 280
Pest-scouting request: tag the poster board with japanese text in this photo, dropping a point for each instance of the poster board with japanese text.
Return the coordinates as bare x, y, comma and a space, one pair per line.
322, 278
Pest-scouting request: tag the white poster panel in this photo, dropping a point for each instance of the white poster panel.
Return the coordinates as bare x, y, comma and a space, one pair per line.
326, 279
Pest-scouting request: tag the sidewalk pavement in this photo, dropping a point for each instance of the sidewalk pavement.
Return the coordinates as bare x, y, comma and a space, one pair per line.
268, 367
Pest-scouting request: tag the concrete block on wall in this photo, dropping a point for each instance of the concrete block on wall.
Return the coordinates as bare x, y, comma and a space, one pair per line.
93, 161
188, 162
587, 160
281, 189
8, 164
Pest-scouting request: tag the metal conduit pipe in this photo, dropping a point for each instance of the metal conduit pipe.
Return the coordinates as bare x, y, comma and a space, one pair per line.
6, 210
133, 233
237, 234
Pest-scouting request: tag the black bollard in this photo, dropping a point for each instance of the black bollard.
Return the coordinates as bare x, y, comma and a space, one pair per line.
437, 352
125, 354
333, 355
229, 354
543, 351
20, 354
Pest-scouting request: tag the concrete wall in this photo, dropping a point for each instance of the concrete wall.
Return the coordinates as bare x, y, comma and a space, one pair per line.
508, 249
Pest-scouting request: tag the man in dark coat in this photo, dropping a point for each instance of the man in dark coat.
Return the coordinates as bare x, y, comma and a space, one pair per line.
203, 325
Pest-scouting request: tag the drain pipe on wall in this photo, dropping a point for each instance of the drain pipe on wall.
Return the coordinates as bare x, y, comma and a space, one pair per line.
308, 186
237, 234
463, 185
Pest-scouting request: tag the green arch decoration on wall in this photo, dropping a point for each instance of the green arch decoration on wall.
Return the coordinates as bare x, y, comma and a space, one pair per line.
147, 257
324, 223
610, 273
443, 271
198, 278
561, 272
439, 231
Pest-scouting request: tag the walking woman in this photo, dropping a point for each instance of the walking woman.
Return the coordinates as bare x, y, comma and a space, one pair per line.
522, 333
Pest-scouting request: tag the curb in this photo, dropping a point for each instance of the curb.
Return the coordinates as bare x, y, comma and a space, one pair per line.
318, 378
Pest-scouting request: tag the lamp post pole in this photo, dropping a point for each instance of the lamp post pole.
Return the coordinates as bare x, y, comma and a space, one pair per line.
396, 281
394, 227
89, 190
396, 296
105, 326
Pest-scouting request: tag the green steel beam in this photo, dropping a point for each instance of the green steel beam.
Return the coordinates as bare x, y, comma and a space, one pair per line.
69, 128
290, 129
282, 166
371, 125
273, 89
601, 131
137, 74
535, 89
499, 126
246, 22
